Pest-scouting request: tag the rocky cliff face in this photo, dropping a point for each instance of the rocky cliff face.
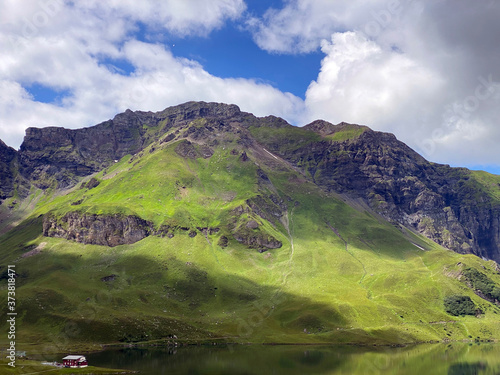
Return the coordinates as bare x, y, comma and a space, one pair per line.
113, 230
445, 204
59, 156
55, 156
7, 174
105, 230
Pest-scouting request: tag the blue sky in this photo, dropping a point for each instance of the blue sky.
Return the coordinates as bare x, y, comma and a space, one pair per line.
228, 52
46, 94
231, 52
408, 67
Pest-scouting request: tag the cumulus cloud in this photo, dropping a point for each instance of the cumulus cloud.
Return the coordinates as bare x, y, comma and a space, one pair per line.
301, 25
71, 47
18, 111
361, 82
182, 17
415, 68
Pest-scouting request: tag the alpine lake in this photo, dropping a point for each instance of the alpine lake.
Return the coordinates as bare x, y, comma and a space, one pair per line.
433, 359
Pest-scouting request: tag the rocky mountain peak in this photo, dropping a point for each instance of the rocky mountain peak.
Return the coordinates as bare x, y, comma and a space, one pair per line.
6, 153
193, 110
7, 156
446, 204
58, 156
325, 128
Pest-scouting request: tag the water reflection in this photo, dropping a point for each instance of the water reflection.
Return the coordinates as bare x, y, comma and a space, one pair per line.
451, 359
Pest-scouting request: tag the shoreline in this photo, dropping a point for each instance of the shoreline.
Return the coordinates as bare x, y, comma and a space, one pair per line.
97, 347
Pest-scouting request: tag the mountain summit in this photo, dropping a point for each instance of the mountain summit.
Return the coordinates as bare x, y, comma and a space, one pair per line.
206, 223
457, 208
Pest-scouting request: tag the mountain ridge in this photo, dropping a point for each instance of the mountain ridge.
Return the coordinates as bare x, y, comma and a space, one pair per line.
445, 204
218, 225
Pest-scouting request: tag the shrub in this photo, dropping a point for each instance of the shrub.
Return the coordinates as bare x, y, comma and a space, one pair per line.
459, 305
495, 293
481, 282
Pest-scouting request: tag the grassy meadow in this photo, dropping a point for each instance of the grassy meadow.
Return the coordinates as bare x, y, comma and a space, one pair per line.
342, 275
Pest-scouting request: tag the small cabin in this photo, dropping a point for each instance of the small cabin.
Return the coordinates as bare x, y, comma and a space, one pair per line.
75, 361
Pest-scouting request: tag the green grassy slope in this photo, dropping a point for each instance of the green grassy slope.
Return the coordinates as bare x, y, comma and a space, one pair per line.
490, 182
342, 275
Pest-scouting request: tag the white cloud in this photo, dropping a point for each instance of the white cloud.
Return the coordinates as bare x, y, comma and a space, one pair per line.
361, 82
183, 17
301, 25
18, 111
406, 66
68, 47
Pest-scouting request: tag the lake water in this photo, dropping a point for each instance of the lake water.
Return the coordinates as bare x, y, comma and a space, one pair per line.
429, 359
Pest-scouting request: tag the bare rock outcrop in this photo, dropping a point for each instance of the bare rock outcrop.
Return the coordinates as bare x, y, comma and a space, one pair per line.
105, 230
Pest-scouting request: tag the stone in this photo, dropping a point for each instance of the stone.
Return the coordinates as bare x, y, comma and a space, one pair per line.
104, 230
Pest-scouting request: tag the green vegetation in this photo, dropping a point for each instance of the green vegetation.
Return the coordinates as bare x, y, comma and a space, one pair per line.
348, 132
340, 276
482, 283
275, 138
490, 182
459, 305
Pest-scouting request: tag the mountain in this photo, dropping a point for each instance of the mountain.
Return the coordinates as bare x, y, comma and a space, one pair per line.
7, 155
455, 207
207, 223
